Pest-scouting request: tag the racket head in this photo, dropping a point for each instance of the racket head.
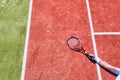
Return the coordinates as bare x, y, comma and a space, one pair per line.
75, 44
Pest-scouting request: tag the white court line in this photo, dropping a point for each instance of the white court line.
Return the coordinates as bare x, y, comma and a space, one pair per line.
106, 33
26, 42
93, 38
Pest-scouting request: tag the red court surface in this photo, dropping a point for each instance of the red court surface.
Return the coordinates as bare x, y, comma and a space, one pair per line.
49, 58
52, 22
108, 49
105, 15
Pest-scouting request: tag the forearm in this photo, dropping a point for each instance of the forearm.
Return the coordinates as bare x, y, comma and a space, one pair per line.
107, 66
104, 64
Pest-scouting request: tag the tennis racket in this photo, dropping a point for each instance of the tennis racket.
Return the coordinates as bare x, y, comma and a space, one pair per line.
75, 44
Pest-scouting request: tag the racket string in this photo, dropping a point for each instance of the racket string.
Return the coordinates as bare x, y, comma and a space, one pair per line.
75, 44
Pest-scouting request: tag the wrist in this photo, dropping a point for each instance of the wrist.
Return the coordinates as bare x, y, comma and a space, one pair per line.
97, 59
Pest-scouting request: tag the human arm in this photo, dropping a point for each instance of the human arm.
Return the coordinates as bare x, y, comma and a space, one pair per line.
105, 65
108, 66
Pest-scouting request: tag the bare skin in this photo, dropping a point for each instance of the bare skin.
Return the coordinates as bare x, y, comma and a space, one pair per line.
108, 66
103, 64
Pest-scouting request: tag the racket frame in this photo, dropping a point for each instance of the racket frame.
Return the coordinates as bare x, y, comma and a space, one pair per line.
80, 50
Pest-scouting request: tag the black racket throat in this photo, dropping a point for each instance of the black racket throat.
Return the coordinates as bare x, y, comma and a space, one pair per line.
86, 54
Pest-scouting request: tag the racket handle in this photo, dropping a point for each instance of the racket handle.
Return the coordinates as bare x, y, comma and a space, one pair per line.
87, 54
90, 57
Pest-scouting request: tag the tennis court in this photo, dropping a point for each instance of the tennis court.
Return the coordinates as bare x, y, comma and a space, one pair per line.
51, 22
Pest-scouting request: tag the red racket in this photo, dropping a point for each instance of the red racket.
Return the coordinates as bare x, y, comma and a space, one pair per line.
75, 44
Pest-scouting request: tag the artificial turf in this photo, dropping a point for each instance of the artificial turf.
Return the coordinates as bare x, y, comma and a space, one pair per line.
13, 24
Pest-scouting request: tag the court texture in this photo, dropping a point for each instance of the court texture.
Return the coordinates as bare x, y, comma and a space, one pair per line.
33, 37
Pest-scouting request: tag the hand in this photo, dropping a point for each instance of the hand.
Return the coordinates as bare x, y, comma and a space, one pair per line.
93, 59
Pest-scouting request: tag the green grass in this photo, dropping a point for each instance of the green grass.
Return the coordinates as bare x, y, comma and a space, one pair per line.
13, 23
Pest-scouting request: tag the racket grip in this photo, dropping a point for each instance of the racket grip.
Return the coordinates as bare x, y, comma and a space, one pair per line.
87, 54
90, 57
